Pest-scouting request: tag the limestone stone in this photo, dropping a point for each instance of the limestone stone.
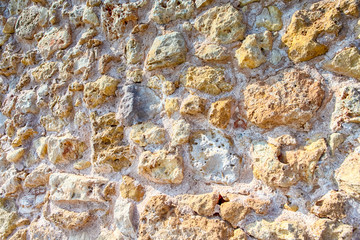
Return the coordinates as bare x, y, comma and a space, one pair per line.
331, 230
222, 24
202, 3
96, 93
180, 132
129, 189
9, 26
138, 104
69, 219
55, 39
22, 134
348, 175
164, 12
346, 62
260, 206
39, 229
161, 167
133, 50
15, 7
134, 76
19, 235
270, 18
124, 211
233, 212
8, 217
193, 105
82, 164
38, 177
90, 17
162, 220
276, 230
306, 25
284, 169
331, 205
202, 204
62, 106
220, 113
206, 79
159, 82
26, 102
30, 20
211, 52
292, 99
250, 54
10, 60
239, 234
10, 182
147, 133
64, 149
51, 123
285, 139
212, 159
167, 50
171, 106
71, 188
336, 139
15, 155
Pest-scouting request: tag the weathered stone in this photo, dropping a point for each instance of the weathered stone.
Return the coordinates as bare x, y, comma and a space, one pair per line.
8, 217
134, 53
62, 106
40, 229
325, 229
138, 104
15, 155
45, 71
211, 157
52, 124
223, 24
263, 230
9, 26
233, 212
331, 205
346, 62
168, 50
164, 220
211, 52
68, 219
38, 177
147, 133
26, 102
206, 79
82, 164
306, 25
260, 206
220, 113
90, 17
134, 76
161, 167
250, 54
285, 139
159, 82
96, 93
336, 139
10, 183
21, 234
292, 99
30, 20
124, 216
193, 105
9, 59
55, 39
171, 106
348, 175
15, 7
64, 149
239, 234
129, 189
285, 169
202, 204
202, 3
164, 12
180, 132
270, 18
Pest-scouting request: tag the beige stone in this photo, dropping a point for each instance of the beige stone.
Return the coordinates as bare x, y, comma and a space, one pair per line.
147, 133
62, 106
96, 93
233, 212
223, 24
239, 234
250, 54
134, 76
52, 124
38, 177
129, 189
82, 164
9, 26
168, 50
285, 139
69, 219
325, 229
159, 82
270, 18
346, 62
336, 139
15, 155
8, 219
206, 79
171, 106
22, 134
211, 52
90, 17
134, 53
292, 99
161, 167
202, 204
45, 71
29, 21
54, 40
19, 235
202, 3
164, 12
180, 132
193, 105
220, 113
331, 205
124, 211
64, 149
260, 206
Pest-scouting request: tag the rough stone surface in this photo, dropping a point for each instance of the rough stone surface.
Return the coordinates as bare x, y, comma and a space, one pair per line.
220, 113
211, 52
96, 93
331, 229
147, 133
129, 189
164, 12
331, 205
270, 18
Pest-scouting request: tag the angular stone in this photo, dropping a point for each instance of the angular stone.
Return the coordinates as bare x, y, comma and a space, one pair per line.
138, 104
171, 106
64, 149
325, 229
82, 164
30, 20
277, 230
220, 113
202, 3
239, 234
202, 204
250, 54
168, 50
70, 188
26, 102
96, 93
44, 71
211, 52
9, 26
40, 229
38, 177
15, 155
68, 219
124, 211
51, 123
222, 24
159, 82
164, 12
233, 212
21, 234
180, 132
348, 175
346, 62
8, 219
270, 18
336, 139
53, 40
260, 206
211, 157
193, 105
206, 79
129, 189
90, 17
62, 106
147, 133
292, 99
331, 205
134, 53
161, 167
161, 219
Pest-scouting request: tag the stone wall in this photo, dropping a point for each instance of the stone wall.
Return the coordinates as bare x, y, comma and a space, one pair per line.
179, 119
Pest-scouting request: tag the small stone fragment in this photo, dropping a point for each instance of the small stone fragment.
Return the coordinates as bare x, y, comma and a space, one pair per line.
129, 189
164, 12
202, 3
270, 18
90, 17
336, 139
171, 106
206, 79
124, 211
325, 229
222, 24
54, 40
202, 204
51, 123
161, 167
134, 53
96, 93
168, 50
159, 82
193, 105
8, 219
30, 20
15, 155
180, 132
26, 102
285, 139
211, 52
38, 177
258, 205
331, 205
64, 149
220, 113
233, 212
147, 133
239, 234
22, 134
134, 76
9, 26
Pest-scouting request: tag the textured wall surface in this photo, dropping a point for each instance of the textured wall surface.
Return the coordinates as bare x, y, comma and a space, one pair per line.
179, 119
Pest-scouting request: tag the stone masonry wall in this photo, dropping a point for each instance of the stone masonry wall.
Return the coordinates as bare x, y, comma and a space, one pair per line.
179, 119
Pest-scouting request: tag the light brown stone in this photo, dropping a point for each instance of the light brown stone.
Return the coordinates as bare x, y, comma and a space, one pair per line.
220, 113
68, 219
129, 189
171, 106
193, 105
211, 52
180, 132
15, 155
54, 40
325, 229
202, 204
270, 18
147, 133
96, 93
38, 177
331, 205
8, 217
164, 12
233, 212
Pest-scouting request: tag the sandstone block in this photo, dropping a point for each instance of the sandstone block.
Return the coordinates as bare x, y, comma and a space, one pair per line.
69, 220
331, 230
233, 212
30, 20
211, 52
202, 204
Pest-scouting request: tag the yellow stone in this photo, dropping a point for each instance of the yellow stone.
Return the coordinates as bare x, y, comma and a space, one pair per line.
129, 189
